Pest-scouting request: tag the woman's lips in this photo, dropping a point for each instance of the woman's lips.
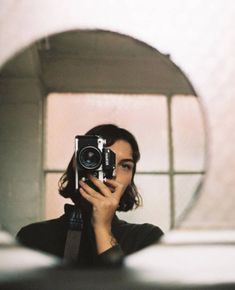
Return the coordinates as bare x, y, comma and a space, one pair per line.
112, 189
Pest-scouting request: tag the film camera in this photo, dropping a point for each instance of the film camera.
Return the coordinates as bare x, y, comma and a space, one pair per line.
93, 158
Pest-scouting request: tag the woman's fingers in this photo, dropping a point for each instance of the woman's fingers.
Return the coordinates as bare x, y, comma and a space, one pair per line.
111, 188
89, 190
88, 197
118, 188
104, 200
101, 186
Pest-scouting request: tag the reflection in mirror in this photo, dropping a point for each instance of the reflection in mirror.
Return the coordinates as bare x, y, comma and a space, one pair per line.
154, 171
49, 94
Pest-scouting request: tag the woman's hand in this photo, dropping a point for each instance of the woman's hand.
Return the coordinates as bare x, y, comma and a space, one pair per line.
104, 202
104, 205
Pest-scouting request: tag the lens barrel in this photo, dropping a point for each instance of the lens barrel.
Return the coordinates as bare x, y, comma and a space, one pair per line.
90, 158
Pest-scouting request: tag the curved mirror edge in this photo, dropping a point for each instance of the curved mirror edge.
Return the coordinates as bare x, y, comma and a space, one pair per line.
16, 95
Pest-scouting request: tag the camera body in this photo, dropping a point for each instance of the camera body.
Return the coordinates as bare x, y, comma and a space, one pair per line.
91, 157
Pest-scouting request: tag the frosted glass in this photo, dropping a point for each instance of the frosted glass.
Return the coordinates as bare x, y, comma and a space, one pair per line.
68, 115
54, 202
185, 189
154, 190
188, 134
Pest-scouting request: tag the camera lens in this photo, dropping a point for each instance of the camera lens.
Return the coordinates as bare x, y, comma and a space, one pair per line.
90, 158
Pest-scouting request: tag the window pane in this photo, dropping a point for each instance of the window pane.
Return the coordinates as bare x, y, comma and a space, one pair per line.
154, 190
185, 188
72, 114
188, 134
54, 201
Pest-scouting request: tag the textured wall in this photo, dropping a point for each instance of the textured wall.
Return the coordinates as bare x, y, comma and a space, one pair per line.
20, 143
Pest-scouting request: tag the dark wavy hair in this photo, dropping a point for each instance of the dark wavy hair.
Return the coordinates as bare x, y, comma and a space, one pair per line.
131, 197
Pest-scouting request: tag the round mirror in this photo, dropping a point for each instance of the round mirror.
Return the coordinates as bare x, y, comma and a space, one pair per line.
67, 83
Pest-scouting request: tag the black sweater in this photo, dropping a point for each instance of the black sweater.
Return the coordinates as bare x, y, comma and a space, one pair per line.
50, 236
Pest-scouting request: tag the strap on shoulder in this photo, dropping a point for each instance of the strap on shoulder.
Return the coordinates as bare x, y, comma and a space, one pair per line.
74, 234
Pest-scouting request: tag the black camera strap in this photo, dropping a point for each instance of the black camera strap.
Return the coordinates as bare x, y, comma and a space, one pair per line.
74, 234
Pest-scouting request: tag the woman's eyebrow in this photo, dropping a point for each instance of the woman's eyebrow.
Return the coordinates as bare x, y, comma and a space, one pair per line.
127, 160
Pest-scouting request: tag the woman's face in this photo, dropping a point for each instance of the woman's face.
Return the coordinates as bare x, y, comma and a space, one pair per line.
124, 162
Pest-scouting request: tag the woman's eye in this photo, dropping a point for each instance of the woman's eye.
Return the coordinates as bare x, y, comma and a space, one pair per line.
126, 166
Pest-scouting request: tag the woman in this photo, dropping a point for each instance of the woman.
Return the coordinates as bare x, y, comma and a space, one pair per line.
105, 239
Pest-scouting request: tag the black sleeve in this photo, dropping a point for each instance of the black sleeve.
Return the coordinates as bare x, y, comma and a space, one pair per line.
113, 257
35, 237
142, 237
152, 236
25, 237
